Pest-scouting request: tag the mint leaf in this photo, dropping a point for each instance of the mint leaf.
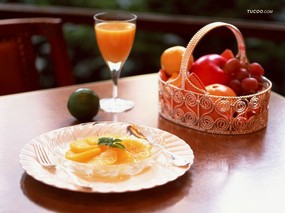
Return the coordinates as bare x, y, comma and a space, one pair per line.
108, 141
118, 145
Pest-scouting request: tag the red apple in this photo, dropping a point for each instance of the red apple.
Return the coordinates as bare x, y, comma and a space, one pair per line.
209, 68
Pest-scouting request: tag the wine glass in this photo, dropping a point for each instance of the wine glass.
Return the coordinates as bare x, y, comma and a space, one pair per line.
115, 32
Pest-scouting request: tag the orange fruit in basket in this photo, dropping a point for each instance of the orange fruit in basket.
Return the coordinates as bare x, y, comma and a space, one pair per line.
220, 90
222, 108
171, 58
174, 79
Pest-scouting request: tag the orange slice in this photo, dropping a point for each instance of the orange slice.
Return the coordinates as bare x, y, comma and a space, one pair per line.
83, 156
92, 140
124, 156
138, 149
79, 146
108, 157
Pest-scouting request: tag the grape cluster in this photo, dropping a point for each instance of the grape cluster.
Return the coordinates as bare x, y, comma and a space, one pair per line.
245, 78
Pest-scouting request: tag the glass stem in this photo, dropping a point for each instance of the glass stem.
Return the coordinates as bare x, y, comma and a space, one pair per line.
115, 77
115, 69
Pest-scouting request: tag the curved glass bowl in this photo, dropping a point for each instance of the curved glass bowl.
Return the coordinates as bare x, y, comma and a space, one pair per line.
61, 144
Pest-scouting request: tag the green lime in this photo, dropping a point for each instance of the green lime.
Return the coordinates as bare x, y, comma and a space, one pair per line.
83, 104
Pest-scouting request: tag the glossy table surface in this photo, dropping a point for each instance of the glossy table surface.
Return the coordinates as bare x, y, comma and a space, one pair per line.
230, 173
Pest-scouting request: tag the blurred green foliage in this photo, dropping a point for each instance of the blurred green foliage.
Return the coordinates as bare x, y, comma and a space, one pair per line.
89, 66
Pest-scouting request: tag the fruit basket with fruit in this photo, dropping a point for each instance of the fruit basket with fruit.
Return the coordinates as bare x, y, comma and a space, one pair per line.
217, 93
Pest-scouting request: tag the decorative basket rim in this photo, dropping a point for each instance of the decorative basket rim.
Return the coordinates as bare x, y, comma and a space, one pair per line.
264, 90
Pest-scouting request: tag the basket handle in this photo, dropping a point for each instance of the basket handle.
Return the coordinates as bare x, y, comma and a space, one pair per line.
198, 36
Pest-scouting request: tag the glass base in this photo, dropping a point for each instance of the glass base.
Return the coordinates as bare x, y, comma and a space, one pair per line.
116, 105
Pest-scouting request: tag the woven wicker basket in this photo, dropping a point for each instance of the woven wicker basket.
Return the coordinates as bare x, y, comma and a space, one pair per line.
214, 114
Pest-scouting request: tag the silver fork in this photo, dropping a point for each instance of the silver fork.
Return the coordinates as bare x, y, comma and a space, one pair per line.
48, 161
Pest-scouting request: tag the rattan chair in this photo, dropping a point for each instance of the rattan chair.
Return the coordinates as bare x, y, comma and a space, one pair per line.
18, 72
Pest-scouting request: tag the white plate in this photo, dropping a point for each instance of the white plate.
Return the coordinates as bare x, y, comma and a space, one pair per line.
160, 173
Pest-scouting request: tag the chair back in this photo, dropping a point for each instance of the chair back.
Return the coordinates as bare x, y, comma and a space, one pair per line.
18, 71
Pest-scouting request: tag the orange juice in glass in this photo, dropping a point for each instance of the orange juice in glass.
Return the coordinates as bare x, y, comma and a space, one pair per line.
115, 40
115, 32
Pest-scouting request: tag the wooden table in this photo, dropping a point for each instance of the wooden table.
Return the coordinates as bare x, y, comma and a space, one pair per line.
230, 173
